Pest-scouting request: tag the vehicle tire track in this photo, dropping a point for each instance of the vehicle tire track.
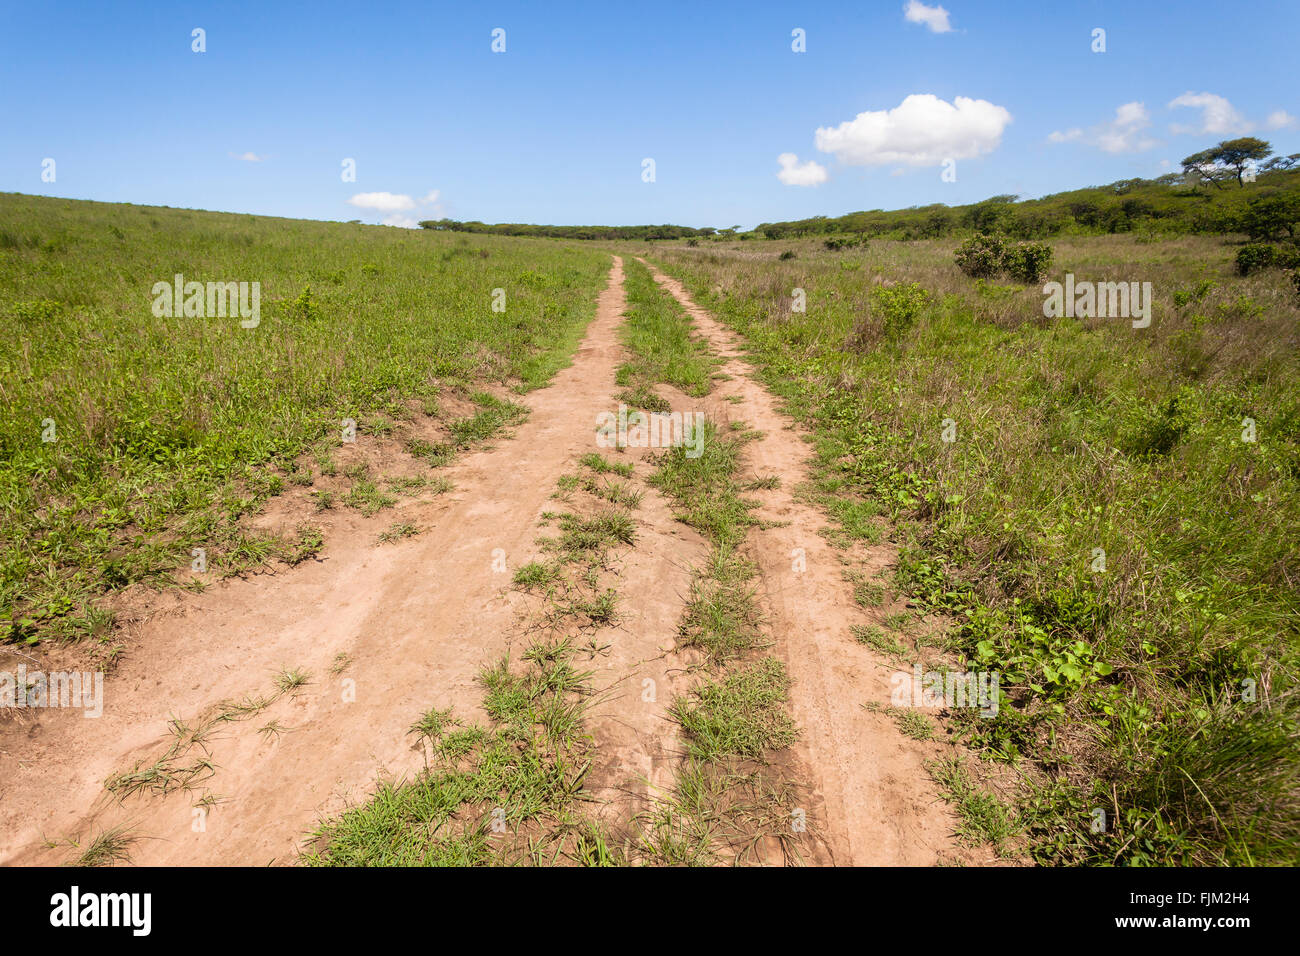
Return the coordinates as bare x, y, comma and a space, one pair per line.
881, 806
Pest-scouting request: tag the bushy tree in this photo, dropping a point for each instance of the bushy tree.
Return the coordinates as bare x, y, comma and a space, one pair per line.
1270, 218
1027, 262
1227, 159
983, 257
980, 256
1237, 154
1281, 163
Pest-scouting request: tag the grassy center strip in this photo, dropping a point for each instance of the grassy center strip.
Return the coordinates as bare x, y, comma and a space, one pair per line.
728, 805
661, 343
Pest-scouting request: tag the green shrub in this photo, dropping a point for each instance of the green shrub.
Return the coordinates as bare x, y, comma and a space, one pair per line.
303, 307
1183, 296
1253, 257
38, 310
898, 306
980, 257
1260, 255
985, 256
1028, 262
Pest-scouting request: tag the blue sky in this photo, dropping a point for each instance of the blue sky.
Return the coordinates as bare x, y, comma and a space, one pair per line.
555, 129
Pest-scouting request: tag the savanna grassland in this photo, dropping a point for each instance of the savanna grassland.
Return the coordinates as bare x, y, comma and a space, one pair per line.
128, 439
1104, 515
1155, 681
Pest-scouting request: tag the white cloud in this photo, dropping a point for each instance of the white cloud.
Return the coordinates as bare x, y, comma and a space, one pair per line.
1069, 136
794, 173
1218, 116
1132, 114
384, 202
397, 219
1280, 119
393, 202
936, 18
1123, 134
248, 157
923, 130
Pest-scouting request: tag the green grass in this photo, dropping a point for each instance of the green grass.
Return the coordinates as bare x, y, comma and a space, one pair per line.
615, 492
536, 574
741, 715
1073, 436
722, 616
659, 335
721, 806
602, 465
525, 767
494, 414
874, 637
983, 819
594, 533
397, 531
170, 430
109, 847
914, 725
705, 487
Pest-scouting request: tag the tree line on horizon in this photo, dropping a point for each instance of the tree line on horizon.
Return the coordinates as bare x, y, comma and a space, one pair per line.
570, 232
1202, 198
1265, 205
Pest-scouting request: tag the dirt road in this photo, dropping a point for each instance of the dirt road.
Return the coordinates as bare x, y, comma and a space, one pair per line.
387, 631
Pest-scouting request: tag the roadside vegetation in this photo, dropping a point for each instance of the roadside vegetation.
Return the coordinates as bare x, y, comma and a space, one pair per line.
128, 441
1107, 515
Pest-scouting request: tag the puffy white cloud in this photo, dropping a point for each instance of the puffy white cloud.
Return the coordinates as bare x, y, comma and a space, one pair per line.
936, 18
393, 202
384, 202
1218, 116
923, 130
795, 173
405, 222
1123, 134
1280, 119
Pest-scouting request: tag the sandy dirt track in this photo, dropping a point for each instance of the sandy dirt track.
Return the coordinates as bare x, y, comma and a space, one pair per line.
881, 807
